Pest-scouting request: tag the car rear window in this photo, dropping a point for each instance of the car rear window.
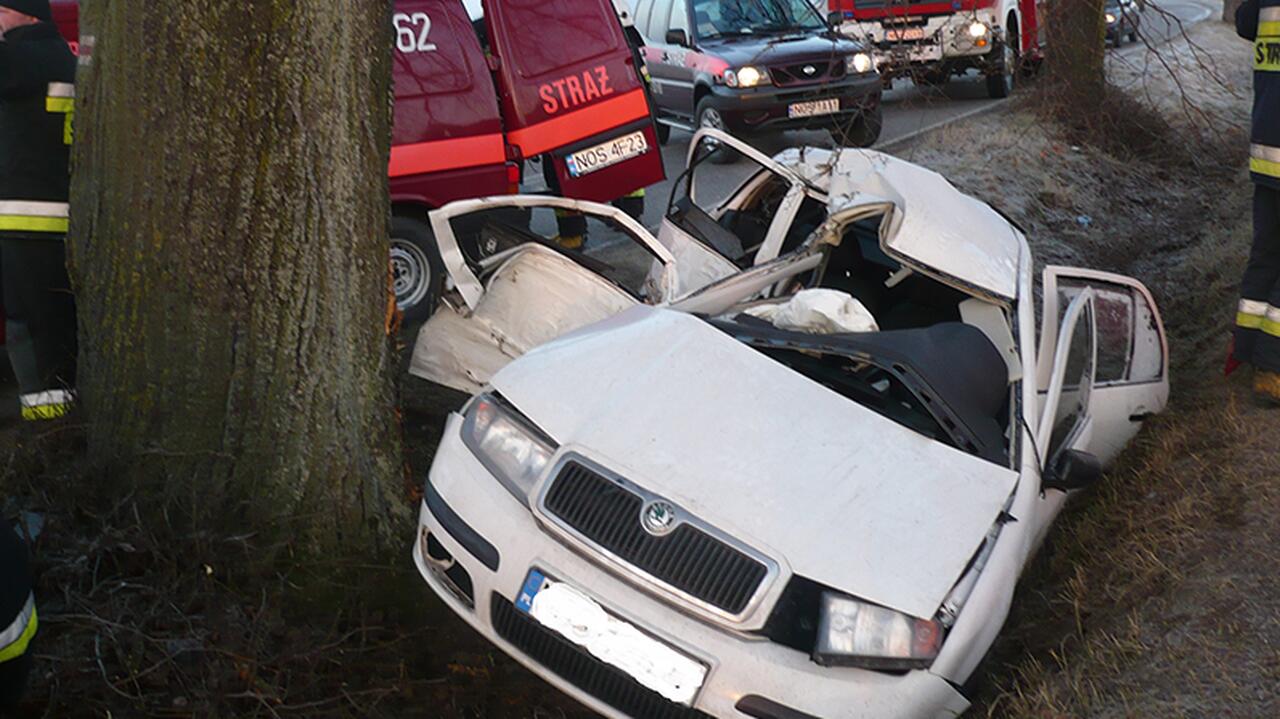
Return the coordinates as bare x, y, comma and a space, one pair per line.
548, 35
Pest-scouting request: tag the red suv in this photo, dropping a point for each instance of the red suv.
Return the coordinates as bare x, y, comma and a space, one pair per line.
477, 93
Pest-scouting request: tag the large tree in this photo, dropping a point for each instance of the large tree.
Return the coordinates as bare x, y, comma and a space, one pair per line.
1075, 37
229, 253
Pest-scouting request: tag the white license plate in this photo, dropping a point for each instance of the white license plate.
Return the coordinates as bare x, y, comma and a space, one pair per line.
580, 619
585, 162
812, 109
904, 34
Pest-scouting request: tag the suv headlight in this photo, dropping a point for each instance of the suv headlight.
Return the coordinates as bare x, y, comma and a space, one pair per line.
855, 633
858, 64
506, 443
746, 77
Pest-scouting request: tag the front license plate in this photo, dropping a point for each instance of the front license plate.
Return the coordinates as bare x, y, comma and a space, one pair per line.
904, 34
585, 162
580, 619
815, 108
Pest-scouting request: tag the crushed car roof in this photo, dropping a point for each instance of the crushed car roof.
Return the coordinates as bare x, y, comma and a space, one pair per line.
934, 226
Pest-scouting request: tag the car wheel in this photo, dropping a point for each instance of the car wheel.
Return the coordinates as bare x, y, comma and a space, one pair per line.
664, 133
863, 131
416, 269
1001, 78
709, 116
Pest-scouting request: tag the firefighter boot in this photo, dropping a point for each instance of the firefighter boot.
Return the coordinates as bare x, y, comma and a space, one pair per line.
1266, 385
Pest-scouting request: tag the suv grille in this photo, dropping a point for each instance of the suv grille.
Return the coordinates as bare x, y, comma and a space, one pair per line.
573, 664
787, 75
688, 559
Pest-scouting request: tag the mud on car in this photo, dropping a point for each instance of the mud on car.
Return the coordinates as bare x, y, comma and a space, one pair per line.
792, 463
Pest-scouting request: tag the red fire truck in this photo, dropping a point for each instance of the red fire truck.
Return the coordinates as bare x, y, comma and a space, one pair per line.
932, 40
477, 93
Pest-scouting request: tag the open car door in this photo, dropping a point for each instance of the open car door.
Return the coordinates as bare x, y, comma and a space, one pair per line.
571, 90
1131, 379
522, 289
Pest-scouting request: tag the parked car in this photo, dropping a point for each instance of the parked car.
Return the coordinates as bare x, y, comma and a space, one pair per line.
757, 66
668, 505
1124, 18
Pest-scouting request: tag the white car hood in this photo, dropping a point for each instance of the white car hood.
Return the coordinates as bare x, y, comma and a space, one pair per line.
832, 490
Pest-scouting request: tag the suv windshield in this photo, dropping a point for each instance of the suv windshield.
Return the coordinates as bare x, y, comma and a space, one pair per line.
720, 18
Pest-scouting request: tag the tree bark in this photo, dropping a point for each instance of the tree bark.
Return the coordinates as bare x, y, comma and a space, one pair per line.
229, 251
1075, 38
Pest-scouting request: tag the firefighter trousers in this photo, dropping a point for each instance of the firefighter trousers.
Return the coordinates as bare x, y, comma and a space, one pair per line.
40, 314
1258, 318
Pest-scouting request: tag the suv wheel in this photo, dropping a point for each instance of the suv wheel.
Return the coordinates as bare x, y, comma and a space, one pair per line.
415, 267
1000, 79
709, 116
863, 131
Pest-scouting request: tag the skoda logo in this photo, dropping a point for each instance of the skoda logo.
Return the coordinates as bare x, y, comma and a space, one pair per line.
658, 518
810, 69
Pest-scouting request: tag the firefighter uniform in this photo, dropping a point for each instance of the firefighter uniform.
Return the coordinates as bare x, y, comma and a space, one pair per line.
17, 617
37, 99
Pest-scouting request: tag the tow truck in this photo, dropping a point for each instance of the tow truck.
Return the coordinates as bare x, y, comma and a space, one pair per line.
930, 40
483, 85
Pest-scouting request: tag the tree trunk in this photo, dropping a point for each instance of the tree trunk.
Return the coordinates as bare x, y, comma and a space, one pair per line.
1075, 50
230, 257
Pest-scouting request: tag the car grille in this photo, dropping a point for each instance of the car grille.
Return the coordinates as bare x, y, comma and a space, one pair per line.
788, 75
574, 665
688, 559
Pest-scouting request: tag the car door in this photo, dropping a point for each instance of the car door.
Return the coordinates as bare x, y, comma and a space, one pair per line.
571, 93
1132, 377
530, 291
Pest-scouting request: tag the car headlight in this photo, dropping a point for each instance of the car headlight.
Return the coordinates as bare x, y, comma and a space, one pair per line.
978, 29
859, 63
1111, 19
855, 633
506, 443
746, 77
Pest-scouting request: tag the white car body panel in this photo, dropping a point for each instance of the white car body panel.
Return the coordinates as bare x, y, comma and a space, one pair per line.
690, 413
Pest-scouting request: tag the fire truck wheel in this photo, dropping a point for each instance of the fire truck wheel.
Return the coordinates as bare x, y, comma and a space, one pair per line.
862, 132
415, 267
1000, 79
708, 116
664, 133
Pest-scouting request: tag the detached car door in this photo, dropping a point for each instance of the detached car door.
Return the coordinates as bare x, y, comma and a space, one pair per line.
1131, 379
514, 288
571, 91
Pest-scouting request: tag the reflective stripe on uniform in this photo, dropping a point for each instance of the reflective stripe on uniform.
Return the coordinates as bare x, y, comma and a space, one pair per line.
1251, 314
1264, 160
15, 638
1271, 323
1269, 14
636, 193
30, 216
46, 405
62, 99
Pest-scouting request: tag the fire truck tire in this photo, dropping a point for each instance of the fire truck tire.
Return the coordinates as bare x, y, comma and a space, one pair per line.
664, 133
709, 116
416, 270
864, 131
1001, 76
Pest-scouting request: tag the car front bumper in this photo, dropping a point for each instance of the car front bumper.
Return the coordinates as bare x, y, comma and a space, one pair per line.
765, 108
478, 511
946, 41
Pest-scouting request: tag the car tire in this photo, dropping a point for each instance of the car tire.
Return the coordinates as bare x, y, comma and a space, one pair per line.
416, 270
864, 131
709, 116
664, 133
1001, 78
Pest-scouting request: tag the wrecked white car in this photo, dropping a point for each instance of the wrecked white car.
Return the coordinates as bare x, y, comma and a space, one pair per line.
715, 498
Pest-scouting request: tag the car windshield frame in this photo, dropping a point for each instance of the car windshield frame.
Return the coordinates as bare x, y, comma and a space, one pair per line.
760, 17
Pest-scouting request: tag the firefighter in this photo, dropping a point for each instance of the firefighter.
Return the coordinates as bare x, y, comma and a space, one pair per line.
37, 96
1257, 335
17, 617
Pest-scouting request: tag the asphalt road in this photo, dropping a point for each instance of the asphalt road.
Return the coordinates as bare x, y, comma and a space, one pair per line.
909, 110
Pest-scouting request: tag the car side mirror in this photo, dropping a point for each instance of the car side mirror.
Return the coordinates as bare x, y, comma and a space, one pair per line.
835, 18
1071, 471
678, 37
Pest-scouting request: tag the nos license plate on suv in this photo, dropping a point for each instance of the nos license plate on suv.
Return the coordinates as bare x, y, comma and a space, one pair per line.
815, 108
585, 162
